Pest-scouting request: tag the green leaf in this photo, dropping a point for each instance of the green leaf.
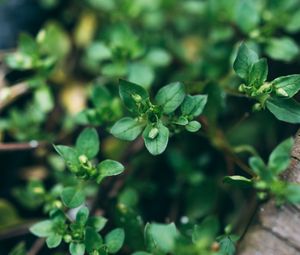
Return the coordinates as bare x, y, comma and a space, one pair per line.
114, 240
247, 15
170, 97
77, 248
87, 143
127, 129
97, 222
227, 244
161, 236
132, 95
290, 84
100, 96
287, 110
27, 44
141, 253
293, 193
205, 233
280, 157
257, 165
193, 126
92, 239
193, 105
72, 197
244, 60
109, 167
70, 155
141, 74
156, 145
53, 240
283, 48
82, 215
42, 229
258, 73
237, 180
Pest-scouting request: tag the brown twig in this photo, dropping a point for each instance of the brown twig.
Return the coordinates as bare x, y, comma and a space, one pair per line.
37, 246
21, 146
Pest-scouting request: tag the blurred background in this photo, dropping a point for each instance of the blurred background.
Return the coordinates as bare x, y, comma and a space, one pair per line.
60, 62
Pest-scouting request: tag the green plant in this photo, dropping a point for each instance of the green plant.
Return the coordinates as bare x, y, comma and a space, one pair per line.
95, 73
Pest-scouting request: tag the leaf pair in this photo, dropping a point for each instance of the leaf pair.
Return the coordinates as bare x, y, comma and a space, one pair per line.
153, 121
275, 95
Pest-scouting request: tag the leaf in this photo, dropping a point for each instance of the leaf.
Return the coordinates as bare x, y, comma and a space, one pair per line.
92, 240
170, 97
141, 253
244, 60
53, 240
284, 49
237, 180
158, 144
70, 155
193, 105
141, 74
100, 96
132, 95
82, 215
290, 84
193, 126
87, 143
161, 236
258, 73
27, 44
257, 165
227, 245
72, 197
97, 222
280, 157
114, 240
127, 129
287, 110
247, 15
42, 229
109, 167
77, 248
293, 193
204, 234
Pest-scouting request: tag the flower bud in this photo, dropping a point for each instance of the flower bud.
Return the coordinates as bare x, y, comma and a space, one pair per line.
83, 159
281, 92
137, 98
153, 133
67, 238
257, 107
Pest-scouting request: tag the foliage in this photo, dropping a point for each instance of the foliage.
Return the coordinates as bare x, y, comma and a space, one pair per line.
95, 72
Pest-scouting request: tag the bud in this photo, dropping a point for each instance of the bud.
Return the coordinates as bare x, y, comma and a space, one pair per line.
67, 238
242, 88
57, 204
261, 185
38, 190
281, 92
153, 133
137, 98
83, 159
257, 107
262, 195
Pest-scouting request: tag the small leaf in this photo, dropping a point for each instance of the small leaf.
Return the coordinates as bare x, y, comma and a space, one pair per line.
53, 240
293, 193
42, 229
237, 180
132, 94
158, 144
204, 234
77, 248
280, 157
258, 73
82, 215
257, 165
161, 236
193, 105
283, 48
87, 143
127, 129
109, 167
170, 97
114, 240
290, 84
244, 61
72, 197
70, 155
193, 126
97, 222
92, 239
227, 244
287, 110
141, 253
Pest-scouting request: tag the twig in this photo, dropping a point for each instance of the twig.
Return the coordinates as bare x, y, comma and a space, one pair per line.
37, 246
21, 146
